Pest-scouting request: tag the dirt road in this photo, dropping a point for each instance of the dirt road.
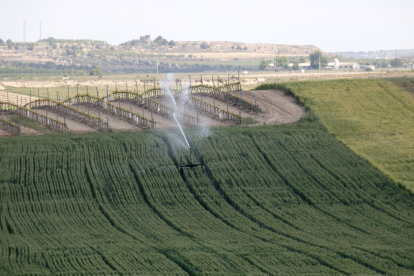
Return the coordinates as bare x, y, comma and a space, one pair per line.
277, 107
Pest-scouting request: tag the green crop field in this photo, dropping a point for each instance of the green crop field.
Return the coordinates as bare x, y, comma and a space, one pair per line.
273, 200
375, 118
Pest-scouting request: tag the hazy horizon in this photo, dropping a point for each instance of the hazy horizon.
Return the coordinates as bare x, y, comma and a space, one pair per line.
334, 27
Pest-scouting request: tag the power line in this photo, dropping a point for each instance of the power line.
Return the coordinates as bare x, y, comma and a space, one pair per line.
24, 31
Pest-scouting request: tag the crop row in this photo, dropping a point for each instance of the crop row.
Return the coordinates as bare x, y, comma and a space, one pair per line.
274, 200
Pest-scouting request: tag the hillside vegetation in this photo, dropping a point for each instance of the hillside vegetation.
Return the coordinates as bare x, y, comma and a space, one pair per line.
373, 117
273, 200
67, 55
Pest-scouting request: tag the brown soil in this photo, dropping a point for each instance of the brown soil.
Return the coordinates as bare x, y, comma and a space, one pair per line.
277, 108
3, 132
234, 108
115, 123
162, 122
73, 126
24, 130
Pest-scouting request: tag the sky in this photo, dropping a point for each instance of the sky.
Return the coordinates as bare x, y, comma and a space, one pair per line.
333, 26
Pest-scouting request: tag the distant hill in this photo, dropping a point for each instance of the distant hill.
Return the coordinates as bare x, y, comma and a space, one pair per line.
165, 46
144, 53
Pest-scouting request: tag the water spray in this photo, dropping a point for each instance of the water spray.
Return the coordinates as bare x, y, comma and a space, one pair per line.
191, 165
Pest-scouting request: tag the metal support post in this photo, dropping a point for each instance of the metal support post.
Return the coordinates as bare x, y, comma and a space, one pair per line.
152, 120
241, 101
107, 109
17, 111
227, 100
99, 104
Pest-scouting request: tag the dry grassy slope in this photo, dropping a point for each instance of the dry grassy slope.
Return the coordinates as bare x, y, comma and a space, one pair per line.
372, 117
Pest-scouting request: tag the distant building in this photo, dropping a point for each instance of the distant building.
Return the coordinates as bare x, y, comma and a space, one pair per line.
346, 65
145, 39
331, 65
368, 67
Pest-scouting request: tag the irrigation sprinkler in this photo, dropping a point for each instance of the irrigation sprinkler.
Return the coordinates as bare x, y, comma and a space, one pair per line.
191, 165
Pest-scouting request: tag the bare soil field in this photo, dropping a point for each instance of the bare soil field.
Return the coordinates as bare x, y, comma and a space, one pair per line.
234, 108
3, 132
162, 122
73, 126
24, 130
115, 123
277, 108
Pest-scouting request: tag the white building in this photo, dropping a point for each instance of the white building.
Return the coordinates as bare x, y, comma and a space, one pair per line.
331, 65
